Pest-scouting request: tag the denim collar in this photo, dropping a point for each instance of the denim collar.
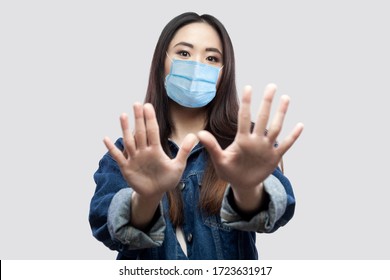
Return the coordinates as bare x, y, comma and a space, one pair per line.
175, 148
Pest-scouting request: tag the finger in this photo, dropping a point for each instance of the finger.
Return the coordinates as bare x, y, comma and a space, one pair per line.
114, 151
264, 110
152, 129
139, 131
211, 144
244, 113
290, 140
186, 147
128, 138
277, 122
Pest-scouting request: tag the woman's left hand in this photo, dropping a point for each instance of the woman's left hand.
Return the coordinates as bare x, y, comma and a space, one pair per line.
253, 155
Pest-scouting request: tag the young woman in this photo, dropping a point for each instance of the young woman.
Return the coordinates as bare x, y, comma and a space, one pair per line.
194, 178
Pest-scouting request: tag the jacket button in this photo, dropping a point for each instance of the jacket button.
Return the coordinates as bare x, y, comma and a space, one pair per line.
189, 237
182, 185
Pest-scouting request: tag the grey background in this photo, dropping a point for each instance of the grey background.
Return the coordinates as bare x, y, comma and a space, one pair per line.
69, 68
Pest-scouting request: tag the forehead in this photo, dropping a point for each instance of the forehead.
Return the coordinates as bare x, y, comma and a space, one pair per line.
199, 34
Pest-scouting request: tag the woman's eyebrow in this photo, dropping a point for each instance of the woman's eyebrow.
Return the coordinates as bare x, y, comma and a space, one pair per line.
192, 46
184, 44
213, 50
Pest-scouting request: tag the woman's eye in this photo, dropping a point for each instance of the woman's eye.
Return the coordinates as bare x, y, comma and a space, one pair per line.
183, 53
212, 59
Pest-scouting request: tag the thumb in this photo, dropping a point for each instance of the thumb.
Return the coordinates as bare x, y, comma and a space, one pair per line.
186, 147
211, 144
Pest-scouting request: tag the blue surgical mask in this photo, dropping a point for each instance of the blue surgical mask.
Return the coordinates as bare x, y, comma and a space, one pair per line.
191, 84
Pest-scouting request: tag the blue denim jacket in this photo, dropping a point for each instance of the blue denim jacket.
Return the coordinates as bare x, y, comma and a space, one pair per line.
224, 236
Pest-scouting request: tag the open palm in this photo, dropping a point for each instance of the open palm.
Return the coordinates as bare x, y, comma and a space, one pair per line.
254, 154
144, 164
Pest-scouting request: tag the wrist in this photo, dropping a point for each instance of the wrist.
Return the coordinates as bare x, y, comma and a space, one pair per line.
245, 192
146, 199
143, 209
249, 200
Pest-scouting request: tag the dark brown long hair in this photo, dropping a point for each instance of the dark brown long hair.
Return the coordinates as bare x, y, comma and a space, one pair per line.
221, 112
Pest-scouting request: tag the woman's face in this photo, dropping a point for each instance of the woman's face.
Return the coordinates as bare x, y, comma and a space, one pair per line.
198, 42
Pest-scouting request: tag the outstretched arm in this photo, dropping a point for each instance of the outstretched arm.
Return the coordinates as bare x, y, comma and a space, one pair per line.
144, 164
253, 155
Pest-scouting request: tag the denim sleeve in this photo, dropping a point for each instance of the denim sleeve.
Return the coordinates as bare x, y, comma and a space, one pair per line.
119, 224
109, 213
280, 208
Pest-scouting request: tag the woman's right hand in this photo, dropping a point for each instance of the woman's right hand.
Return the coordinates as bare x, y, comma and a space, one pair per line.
143, 163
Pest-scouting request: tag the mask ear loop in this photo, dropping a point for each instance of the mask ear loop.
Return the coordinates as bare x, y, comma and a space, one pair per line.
169, 56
